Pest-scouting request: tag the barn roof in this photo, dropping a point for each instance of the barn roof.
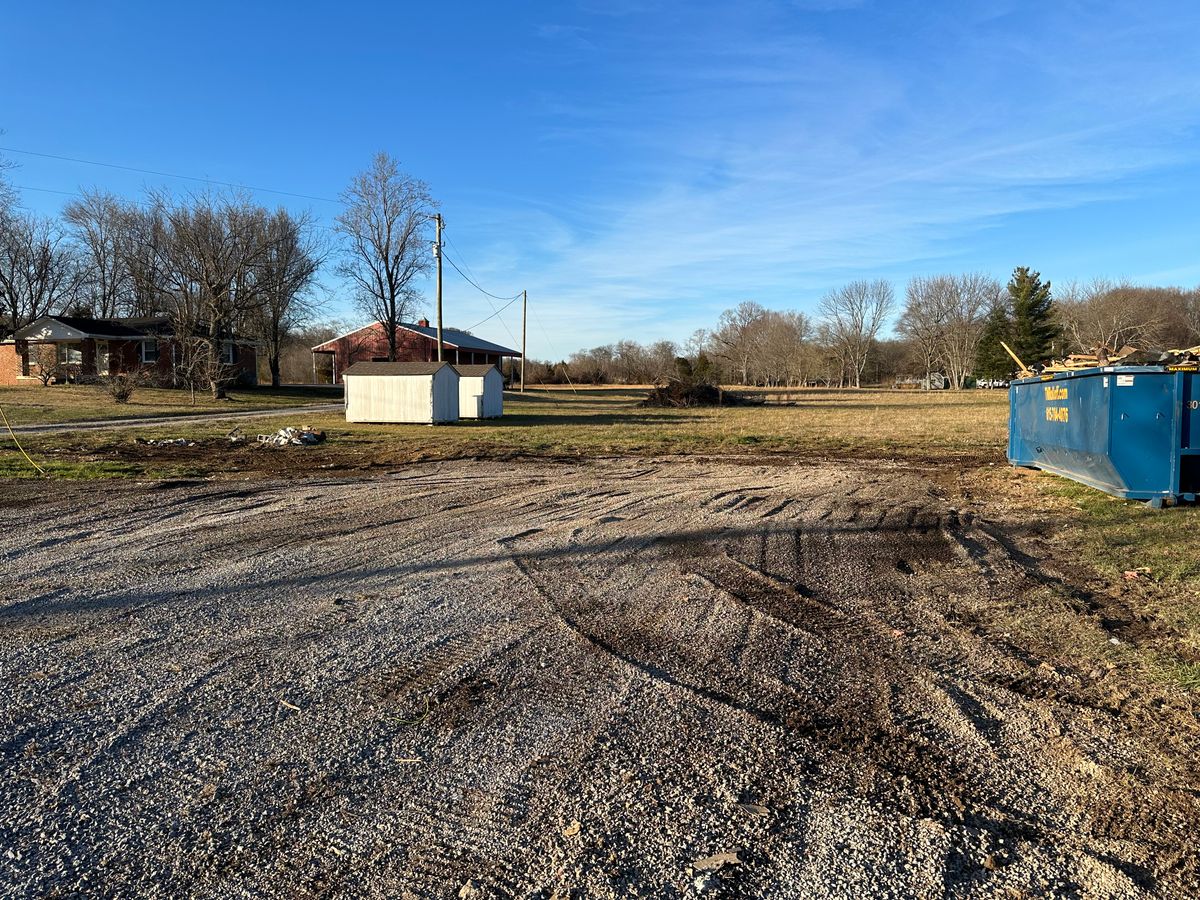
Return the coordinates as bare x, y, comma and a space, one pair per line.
460, 340
394, 368
451, 337
474, 371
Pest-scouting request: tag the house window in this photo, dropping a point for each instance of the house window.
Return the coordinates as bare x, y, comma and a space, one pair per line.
149, 352
228, 353
102, 358
70, 354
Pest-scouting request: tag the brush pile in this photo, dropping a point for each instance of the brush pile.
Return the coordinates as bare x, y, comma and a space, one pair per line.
680, 394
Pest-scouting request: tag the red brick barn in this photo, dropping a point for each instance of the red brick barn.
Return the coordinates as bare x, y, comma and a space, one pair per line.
414, 343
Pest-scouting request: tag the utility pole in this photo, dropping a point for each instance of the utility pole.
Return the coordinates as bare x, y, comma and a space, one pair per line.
524, 330
437, 252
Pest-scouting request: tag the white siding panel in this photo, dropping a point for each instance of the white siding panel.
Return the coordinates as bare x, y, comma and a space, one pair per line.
389, 398
493, 395
470, 397
445, 395
481, 396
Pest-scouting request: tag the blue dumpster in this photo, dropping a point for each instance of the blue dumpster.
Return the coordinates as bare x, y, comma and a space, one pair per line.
1132, 431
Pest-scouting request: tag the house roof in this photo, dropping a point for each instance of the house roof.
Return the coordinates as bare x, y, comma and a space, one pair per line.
83, 326
394, 368
451, 337
77, 328
474, 371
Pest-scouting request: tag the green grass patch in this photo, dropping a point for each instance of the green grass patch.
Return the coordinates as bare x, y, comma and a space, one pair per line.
14, 465
1118, 536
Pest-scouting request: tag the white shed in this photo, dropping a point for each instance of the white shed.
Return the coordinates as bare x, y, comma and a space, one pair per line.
412, 392
480, 392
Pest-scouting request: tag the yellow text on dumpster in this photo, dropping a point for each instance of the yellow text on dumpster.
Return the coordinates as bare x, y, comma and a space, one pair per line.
1057, 414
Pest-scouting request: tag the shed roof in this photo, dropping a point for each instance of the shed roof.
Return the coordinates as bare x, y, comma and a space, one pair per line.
395, 368
474, 371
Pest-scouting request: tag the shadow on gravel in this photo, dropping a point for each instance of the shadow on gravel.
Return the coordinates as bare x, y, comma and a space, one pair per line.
692, 541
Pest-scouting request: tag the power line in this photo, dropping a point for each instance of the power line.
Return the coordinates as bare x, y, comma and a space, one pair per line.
554, 351
469, 281
92, 162
496, 313
26, 187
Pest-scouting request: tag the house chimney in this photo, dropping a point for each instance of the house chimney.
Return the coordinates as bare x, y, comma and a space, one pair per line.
424, 323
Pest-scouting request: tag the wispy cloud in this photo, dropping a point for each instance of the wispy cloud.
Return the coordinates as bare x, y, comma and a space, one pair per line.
764, 158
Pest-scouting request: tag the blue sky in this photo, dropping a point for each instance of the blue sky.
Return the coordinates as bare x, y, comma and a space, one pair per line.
640, 166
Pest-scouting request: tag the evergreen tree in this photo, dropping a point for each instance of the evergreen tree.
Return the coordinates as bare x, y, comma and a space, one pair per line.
991, 361
1036, 333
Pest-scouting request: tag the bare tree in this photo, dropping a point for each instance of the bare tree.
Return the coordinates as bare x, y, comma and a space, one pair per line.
212, 259
852, 316
39, 273
289, 267
143, 239
782, 357
923, 322
736, 337
970, 298
1189, 313
1107, 314
384, 223
45, 357
98, 221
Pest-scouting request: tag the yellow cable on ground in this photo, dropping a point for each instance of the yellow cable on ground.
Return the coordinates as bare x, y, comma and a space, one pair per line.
18, 443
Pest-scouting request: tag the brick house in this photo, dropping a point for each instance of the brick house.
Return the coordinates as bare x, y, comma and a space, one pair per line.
82, 349
414, 343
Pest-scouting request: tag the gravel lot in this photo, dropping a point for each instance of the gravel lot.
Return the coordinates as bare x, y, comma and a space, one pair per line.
618, 678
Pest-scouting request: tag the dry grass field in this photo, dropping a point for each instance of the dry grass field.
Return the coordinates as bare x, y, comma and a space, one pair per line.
552, 422
37, 405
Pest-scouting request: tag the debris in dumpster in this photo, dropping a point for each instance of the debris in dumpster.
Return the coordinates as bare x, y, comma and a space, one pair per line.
284, 437
1187, 359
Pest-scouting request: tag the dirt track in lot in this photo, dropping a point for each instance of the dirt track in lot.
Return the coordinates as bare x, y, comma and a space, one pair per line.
539, 679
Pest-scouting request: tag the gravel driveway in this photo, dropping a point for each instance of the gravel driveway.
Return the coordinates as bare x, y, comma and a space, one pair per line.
620, 678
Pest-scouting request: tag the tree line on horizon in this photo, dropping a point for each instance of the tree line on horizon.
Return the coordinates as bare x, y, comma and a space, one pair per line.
949, 327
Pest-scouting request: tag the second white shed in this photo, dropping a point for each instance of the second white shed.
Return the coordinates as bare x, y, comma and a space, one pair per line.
480, 392
422, 393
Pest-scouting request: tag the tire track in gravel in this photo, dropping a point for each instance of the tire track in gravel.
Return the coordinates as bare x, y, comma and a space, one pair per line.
650, 650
